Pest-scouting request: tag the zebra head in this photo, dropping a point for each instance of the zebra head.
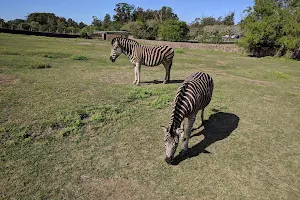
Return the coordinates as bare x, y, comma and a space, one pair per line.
116, 50
171, 143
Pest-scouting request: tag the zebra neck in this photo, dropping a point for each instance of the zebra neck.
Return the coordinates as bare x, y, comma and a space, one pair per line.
128, 50
180, 108
176, 120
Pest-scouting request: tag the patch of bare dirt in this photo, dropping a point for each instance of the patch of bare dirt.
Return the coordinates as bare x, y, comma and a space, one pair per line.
220, 62
8, 80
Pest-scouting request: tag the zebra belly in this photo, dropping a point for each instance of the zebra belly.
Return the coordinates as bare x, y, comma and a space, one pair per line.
149, 64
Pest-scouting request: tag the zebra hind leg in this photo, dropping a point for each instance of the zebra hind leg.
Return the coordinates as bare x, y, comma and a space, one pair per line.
202, 121
167, 65
202, 118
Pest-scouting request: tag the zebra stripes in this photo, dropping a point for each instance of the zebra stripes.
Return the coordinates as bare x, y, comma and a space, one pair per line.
193, 95
142, 55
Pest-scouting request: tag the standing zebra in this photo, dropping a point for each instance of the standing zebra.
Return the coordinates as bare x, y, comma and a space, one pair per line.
193, 95
142, 55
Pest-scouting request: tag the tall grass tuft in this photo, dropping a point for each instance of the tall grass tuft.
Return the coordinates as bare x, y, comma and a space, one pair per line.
40, 66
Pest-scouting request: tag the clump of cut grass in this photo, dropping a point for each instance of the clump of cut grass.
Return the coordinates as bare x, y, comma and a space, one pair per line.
79, 57
280, 75
49, 56
179, 51
161, 101
139, 94
74, 122
40, 65
153, 98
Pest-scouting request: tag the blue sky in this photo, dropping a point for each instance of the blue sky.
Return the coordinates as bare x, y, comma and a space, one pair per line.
83, 10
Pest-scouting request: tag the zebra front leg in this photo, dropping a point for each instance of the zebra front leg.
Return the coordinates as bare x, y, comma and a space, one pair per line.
135, 75
191, 121
181, 130
138, 70
202, 121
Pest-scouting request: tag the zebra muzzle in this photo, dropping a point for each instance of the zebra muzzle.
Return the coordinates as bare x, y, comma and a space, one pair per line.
111, 59
169, 160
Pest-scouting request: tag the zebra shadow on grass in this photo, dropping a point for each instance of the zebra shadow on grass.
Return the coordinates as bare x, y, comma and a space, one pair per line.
218, 127
160, 82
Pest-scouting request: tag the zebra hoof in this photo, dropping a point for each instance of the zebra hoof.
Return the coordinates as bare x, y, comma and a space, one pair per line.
165, 82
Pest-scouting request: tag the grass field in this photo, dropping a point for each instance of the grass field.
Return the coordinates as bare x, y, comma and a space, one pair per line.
74, 127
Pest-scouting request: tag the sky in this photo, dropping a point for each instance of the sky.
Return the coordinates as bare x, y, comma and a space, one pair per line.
84, 10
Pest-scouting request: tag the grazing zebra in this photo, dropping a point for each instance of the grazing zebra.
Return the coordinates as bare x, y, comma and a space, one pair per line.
193, 95
142, 55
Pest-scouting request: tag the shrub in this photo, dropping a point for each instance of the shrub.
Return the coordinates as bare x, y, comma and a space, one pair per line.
173, 30
272, 28
79, 57
142, 30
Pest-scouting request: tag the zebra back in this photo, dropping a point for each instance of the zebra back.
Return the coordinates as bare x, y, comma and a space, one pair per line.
193, 95
123, 41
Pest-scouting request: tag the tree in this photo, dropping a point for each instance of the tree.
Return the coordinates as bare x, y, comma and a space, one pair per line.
106, 22
96, 22
71, 23
81, 25
107, 19
272, 27
208, 21
42, 18
138, 14
34, 26
123, 12
228, 19
165, 13
142, 30
173, 30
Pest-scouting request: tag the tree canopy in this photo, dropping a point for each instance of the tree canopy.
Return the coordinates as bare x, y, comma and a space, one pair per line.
272, 27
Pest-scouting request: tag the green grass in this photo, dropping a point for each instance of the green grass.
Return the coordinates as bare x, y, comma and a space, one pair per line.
79, 57
179, 51
81, 130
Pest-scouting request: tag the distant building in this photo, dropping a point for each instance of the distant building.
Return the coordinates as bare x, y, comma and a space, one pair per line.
109, 35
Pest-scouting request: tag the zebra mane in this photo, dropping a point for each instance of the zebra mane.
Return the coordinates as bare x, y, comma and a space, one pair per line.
180, 93
123, 39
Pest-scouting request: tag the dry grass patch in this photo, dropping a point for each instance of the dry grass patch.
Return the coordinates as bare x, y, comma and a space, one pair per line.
8, 79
